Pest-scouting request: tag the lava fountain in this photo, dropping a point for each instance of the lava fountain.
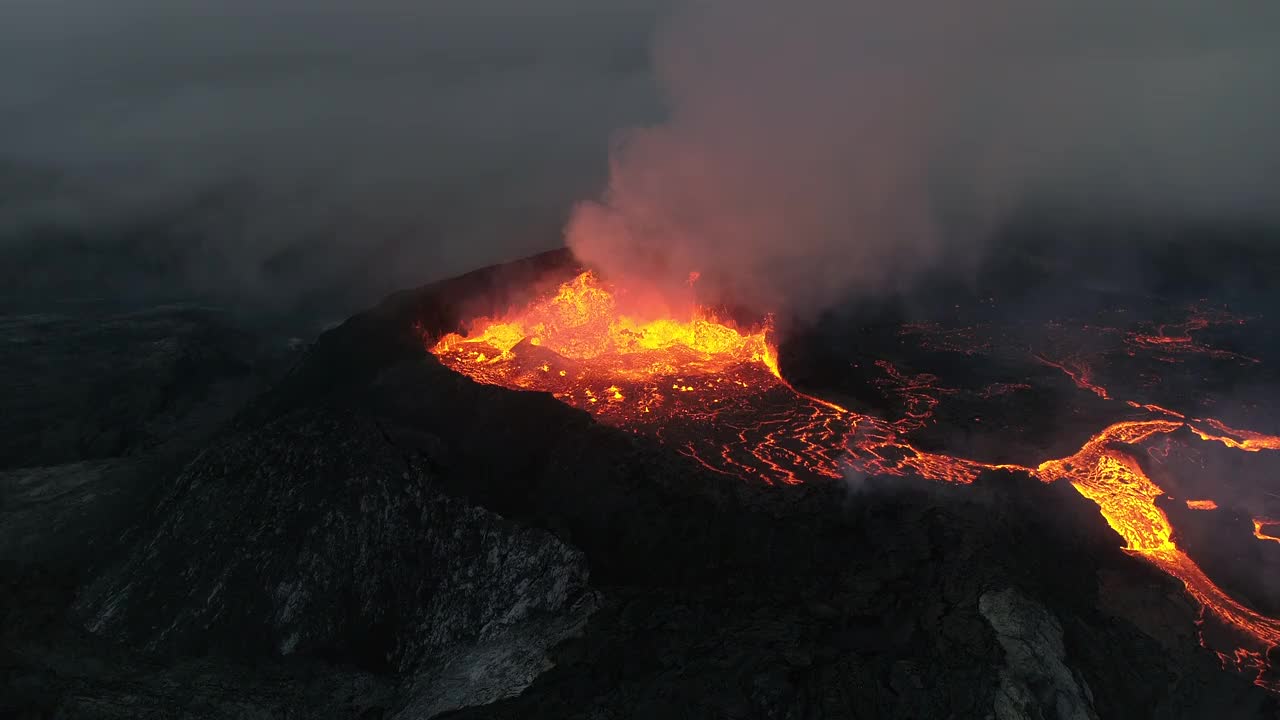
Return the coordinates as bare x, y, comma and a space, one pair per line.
579, 346
714, 392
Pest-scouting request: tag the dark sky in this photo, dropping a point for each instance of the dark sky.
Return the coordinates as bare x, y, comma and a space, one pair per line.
271, 150
288, 152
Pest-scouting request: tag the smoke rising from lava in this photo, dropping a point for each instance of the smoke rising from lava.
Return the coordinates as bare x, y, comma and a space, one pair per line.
823, 148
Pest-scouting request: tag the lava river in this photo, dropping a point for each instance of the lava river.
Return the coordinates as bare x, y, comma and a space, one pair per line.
715, 393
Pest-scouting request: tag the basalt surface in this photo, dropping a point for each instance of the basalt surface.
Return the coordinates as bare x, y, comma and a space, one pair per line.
380, 536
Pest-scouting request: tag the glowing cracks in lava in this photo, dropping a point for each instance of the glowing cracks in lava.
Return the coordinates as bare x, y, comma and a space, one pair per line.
1112, 479
1176, 338
1245, 440
657, 376
1079, 374
634, 372
1152, 408
1262, 525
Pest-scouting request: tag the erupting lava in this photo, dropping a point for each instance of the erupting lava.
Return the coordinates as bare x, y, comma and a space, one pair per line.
716, 394
579, 347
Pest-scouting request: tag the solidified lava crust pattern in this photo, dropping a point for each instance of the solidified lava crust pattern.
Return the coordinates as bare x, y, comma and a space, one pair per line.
715, 393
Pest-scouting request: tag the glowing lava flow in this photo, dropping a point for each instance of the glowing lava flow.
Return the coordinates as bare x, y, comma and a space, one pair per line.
579, 347
1112, 479
715, 393
1177, 337
1260, 523
1079, 374
1245, 440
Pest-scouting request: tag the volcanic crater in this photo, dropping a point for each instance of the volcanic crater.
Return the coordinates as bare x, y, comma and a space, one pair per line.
948, 507
718, 394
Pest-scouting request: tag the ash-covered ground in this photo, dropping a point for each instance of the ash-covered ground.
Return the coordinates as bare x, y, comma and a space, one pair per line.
200, 520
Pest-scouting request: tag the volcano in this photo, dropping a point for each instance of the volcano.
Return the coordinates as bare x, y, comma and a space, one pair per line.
717, 394
517, 493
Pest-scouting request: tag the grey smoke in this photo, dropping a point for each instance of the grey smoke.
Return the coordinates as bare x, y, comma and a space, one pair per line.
266, 150
805, 150
822, 148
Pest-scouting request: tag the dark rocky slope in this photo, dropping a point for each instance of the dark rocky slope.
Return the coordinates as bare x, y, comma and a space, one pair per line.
380, 537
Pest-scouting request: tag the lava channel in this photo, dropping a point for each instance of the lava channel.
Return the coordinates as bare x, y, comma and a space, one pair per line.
714, 392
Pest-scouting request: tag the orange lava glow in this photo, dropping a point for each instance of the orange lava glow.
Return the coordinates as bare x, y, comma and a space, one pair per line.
579, 347
1258, 529
715, 393
1246, 440
1109, 476
1079, 374
1177, 338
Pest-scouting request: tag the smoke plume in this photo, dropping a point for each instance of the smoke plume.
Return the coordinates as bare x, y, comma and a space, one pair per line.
823, 148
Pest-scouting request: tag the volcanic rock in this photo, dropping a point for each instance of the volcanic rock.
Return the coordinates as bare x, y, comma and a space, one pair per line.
314, 535
86, 384
1035, 678
379, 535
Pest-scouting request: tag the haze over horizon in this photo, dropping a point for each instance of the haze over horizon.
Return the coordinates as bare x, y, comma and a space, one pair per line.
286, 153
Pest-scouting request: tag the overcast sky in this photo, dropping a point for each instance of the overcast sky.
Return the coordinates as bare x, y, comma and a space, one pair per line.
268, 149
277, 149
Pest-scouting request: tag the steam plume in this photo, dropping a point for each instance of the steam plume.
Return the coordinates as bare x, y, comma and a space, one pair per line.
820, 148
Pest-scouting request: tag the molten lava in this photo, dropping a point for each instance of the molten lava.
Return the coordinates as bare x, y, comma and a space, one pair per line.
1176, 338
578, 346
715, 393
1246, 440
1261, 524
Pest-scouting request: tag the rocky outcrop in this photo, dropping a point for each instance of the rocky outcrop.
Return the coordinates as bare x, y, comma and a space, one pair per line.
1035, 682
500, 664
314, 535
